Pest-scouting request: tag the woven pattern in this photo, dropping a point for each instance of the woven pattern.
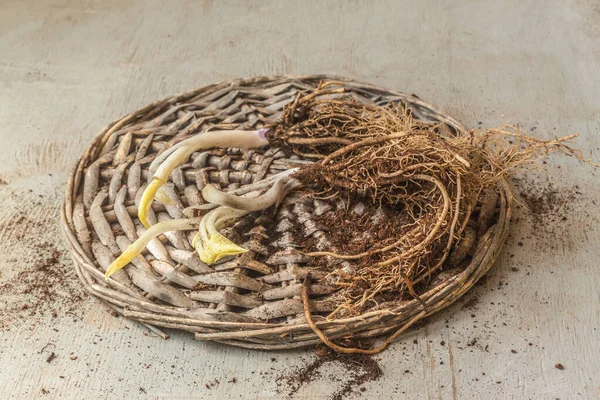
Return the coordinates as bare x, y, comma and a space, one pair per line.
252, 300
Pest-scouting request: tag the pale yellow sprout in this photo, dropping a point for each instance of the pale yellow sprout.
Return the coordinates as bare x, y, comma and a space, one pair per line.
249, 203
134, 249
209, 243
147, 199
172, 158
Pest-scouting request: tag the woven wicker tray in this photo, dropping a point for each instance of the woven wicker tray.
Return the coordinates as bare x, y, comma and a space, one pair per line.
252, 301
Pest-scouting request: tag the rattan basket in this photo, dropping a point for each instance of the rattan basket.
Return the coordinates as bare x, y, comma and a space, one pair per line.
251, 301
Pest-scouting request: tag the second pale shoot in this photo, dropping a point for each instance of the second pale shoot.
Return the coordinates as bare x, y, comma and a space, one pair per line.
179, 153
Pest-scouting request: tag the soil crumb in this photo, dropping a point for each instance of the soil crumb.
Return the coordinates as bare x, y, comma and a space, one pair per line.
37, 280
550, 208
471, 303
358, 368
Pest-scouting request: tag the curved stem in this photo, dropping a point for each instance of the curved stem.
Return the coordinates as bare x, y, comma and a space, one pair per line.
267, 199
147, 199
181, 151
134, 249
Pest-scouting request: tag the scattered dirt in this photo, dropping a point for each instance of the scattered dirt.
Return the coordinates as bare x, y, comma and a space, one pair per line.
51, 357
359, 369
550, 209
471, 304
547, 204
37, 280
210, 384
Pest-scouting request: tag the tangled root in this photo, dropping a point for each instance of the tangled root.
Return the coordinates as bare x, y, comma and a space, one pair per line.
433, 176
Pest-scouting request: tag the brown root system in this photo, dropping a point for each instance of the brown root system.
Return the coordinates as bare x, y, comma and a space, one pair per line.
439, 182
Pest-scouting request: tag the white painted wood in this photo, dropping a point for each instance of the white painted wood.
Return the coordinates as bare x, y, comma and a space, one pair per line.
67, 68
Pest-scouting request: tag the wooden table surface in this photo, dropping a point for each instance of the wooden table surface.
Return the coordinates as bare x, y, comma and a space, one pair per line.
67, 68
